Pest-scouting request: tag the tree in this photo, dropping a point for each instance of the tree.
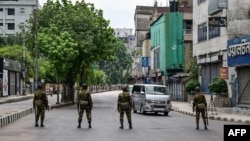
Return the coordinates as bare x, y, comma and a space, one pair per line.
72, 38
218, 86
193, 81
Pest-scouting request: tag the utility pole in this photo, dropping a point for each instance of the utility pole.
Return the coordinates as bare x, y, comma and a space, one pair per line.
36, 45
23, 71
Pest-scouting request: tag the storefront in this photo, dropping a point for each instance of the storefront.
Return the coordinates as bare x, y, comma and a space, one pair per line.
238, 51
9, 77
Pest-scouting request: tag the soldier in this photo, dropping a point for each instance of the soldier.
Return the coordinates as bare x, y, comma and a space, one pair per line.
200, 106
124, 104
40, 103
84, 103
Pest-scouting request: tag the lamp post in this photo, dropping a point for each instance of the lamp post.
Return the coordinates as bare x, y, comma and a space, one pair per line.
36, 46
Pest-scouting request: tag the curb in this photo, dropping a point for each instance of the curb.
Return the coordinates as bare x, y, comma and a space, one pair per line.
16, 99
214, 117
7, 119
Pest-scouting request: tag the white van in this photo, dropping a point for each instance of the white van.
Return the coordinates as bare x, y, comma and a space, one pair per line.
151, 98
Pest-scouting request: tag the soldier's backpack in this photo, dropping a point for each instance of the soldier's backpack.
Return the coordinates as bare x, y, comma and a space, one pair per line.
124, 105
38, 103
83, 103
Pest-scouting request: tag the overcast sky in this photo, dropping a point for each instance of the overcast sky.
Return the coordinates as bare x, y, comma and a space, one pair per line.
120, 12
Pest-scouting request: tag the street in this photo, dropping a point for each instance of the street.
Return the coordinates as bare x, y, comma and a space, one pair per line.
60, 125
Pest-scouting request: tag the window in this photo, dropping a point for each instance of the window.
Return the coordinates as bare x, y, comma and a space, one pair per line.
200, 1
157, 58
1, 24
22, 10
202, 32
11, 11
1, 9
214, 32
11, 26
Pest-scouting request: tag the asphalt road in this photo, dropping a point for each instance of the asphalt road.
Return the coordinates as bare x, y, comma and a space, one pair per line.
60, 125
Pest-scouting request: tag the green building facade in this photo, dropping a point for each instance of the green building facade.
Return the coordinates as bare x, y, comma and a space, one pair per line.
167, 43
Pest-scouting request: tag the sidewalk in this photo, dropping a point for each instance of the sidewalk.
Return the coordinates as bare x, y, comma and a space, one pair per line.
224, 114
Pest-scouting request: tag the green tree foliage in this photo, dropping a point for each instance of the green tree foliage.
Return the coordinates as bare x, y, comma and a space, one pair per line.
192, 79
218, 86
191, 85
72, 37
117, 69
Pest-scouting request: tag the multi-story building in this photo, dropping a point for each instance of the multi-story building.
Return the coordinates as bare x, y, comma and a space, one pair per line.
14, 13
219, 26
142, 19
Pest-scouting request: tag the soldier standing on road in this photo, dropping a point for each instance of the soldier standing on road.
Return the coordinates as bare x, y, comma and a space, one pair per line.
40, 103
200, 106
124, 104
84, 103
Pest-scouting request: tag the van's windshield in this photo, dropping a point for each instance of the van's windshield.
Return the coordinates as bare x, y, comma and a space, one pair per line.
156, 90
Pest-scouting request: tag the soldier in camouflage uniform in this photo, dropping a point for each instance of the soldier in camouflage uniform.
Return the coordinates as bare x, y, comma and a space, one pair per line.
200, 106
124, 105
40, 103
84, 103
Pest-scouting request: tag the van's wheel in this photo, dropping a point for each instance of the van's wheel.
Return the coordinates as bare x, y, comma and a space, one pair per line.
141, 110
134, 110
165, 113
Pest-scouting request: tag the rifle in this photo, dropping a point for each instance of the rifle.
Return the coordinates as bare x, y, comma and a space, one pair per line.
35, 112
206, 116
78, 106
48, 108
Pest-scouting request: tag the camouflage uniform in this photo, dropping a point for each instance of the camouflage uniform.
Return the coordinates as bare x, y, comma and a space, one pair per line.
200, 106
40, 103
124, 105
84, 103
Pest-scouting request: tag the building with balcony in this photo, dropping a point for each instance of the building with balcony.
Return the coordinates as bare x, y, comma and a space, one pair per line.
14, 13
219, 25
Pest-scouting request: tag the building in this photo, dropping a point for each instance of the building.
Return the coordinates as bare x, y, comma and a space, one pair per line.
14, 13
219, 25
10, 72
142, 19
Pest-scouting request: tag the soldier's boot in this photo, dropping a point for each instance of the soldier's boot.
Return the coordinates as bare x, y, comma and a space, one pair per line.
90, 124
197, 125
36, 124
79, 125
205, 125
130, 125
42, 125
121, 127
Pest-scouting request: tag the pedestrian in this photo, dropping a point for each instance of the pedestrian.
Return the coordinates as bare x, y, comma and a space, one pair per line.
124, 105
40, 103
84, 103
200, 107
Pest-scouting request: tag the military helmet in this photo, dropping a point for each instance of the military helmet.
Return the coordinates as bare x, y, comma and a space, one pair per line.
84, 86
197, 89
125, 89
39, 86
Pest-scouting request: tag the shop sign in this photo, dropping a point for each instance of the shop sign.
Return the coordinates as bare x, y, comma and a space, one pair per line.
224, 72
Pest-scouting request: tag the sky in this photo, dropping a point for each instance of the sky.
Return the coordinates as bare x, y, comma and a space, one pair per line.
120, 13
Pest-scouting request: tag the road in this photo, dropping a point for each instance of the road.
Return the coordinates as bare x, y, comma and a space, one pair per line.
61, 125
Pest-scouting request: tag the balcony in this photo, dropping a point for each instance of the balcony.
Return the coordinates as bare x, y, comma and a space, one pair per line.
188, 35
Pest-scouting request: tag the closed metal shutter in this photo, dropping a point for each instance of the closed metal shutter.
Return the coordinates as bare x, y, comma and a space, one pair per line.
244, 85
12, 83
209, 71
